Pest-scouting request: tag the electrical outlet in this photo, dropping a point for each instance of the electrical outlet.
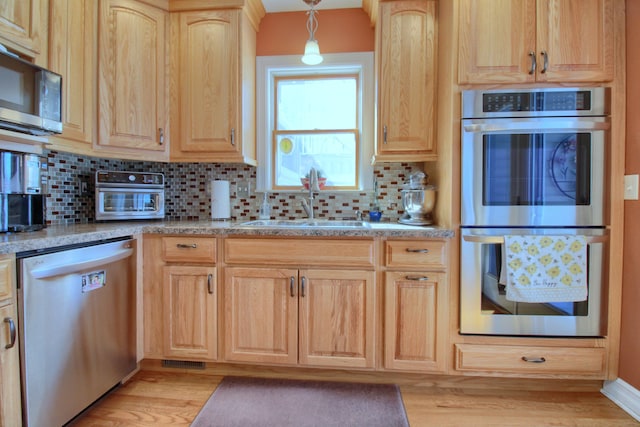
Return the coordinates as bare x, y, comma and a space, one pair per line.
243, 190
631, 187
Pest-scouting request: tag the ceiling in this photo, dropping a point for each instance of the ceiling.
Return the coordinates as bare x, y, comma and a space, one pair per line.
273, 6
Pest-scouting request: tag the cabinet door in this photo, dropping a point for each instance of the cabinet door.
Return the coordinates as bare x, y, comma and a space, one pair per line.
577, 37
132, 87
413, 327
10, 409
190, 312
337, 318
406, 80
261, 315
23, 25
208, 69
72, 45
496, 41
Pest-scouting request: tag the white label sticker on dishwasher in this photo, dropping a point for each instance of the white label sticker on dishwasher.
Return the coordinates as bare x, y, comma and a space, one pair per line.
93, 281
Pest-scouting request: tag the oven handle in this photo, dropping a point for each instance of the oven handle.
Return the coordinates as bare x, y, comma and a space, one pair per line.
547, 125
500, 239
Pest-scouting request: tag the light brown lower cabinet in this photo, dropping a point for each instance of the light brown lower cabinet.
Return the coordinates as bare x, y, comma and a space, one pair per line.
10, 402
413, 327
313, 317
190, 304
536, 361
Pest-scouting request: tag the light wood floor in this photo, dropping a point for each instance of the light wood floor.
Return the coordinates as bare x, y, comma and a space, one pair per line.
153, 398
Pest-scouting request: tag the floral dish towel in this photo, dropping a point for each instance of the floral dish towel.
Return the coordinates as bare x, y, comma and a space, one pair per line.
546, 268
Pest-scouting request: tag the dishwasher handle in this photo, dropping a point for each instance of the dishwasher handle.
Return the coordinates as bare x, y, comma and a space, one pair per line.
69, 268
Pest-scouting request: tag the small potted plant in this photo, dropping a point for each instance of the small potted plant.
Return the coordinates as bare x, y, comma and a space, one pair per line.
322, 180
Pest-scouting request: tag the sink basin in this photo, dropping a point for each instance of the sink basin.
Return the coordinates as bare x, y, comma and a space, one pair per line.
306, 223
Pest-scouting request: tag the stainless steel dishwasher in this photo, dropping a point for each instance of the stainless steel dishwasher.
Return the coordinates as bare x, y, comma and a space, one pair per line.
77, 327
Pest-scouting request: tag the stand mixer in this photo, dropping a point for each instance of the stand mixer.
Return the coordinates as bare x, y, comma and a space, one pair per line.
418, 200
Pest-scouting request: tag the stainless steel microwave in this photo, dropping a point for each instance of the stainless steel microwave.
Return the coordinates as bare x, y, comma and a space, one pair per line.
30, 97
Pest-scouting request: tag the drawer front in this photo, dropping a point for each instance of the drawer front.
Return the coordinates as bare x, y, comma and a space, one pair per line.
554, 361
415, 253
189, 249
297, 252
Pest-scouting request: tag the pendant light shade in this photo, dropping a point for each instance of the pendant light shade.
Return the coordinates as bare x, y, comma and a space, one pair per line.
312, 49
312, 53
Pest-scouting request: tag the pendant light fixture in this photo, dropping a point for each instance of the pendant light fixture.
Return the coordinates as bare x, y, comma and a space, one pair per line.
311, 49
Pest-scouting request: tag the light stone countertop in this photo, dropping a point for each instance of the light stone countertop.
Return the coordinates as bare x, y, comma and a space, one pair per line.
82, 233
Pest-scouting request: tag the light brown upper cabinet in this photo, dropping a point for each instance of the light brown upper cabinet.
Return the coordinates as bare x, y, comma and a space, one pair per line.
72, 54
213, 72
133, 88
406, 81
526, 41
23, 26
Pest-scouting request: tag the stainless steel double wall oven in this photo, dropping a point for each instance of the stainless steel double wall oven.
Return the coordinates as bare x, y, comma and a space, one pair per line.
534, 162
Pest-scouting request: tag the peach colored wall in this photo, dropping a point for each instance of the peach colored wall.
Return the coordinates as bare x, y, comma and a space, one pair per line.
630, 338
339, 30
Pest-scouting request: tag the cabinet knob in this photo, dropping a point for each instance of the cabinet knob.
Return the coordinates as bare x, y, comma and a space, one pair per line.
532, 55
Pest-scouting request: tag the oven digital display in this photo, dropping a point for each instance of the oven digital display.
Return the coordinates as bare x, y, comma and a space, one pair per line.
536, 101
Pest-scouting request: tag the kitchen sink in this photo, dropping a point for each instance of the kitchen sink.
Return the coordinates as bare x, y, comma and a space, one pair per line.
306, 223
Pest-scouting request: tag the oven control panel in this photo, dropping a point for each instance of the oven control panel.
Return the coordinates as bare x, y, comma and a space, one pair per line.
125, 179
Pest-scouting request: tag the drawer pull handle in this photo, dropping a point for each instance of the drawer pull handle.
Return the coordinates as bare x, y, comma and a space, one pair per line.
209, 283
12, 332
292, 286
418, 251
303, 287
417, 278
534, 359
185, 246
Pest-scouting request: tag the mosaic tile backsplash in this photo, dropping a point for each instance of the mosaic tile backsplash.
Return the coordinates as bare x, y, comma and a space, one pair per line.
187, 196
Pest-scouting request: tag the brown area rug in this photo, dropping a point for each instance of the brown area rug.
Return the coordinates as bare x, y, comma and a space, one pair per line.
278, 403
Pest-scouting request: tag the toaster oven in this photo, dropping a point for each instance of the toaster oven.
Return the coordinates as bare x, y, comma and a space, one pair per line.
129, 195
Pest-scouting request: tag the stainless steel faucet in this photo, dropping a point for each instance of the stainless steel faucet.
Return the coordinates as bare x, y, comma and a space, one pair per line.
313, 188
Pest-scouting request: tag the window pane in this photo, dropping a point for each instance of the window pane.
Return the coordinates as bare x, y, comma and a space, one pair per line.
316, 103
333, 154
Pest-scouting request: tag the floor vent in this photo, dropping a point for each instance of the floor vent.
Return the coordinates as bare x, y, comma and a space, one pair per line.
186, 364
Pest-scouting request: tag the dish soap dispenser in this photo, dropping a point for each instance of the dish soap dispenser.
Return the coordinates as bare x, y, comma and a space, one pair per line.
265, 208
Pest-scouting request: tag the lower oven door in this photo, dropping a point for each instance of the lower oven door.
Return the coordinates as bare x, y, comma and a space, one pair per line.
129, 203
485, 309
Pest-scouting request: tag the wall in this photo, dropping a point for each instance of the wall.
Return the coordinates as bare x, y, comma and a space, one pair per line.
630, 335
187, 197
339, 31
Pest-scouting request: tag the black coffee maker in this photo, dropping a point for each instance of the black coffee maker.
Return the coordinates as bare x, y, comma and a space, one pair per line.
23, 180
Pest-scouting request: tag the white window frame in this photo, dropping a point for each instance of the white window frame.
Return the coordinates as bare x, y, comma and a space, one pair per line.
268, 67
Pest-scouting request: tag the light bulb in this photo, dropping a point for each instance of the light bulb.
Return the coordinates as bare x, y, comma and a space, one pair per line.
312, 53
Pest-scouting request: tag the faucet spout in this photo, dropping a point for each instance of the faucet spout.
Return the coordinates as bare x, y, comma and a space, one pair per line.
308, 209
313, 188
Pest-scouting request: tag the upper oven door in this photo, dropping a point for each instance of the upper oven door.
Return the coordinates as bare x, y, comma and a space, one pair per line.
534, 171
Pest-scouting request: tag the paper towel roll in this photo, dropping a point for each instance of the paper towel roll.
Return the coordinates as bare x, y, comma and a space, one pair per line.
220, 202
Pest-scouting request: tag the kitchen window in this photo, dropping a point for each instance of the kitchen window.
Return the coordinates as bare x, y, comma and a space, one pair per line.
320, 117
